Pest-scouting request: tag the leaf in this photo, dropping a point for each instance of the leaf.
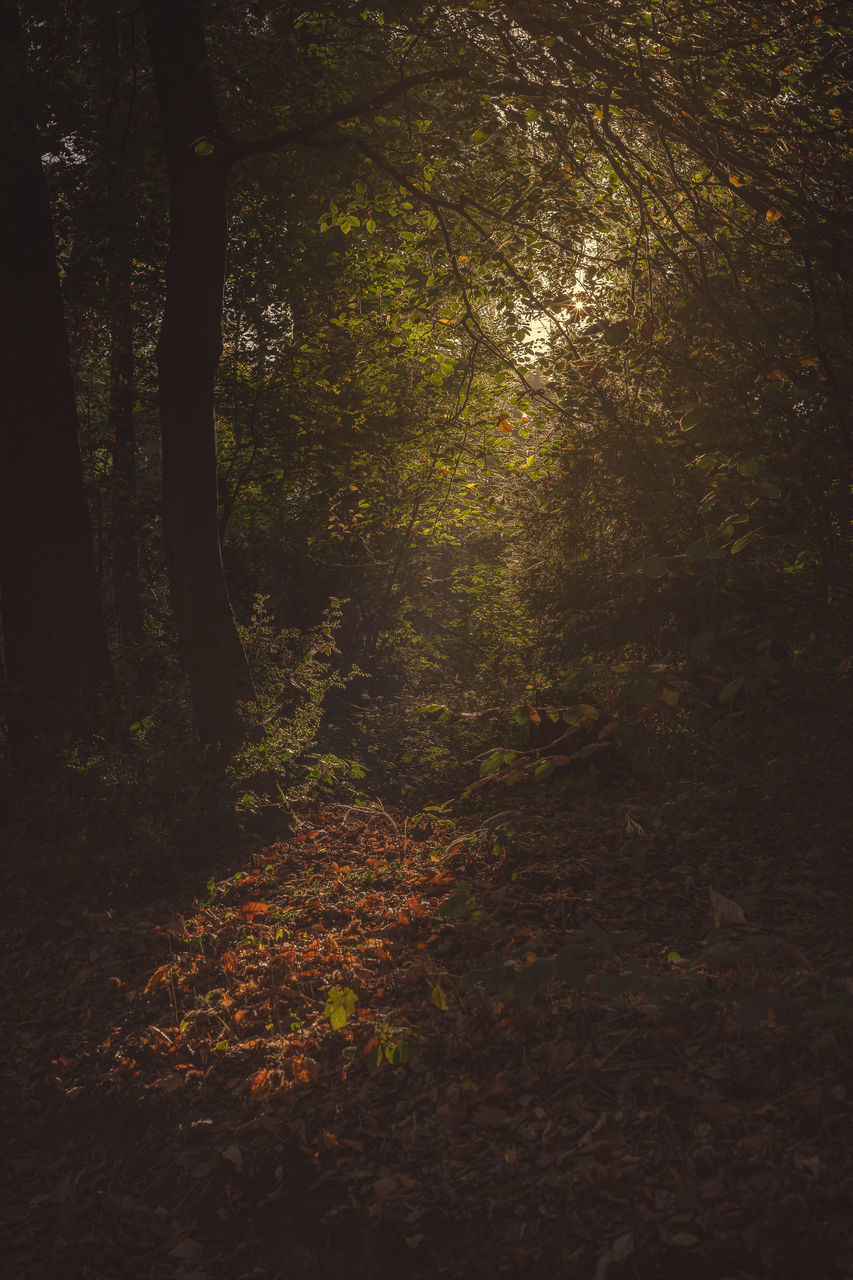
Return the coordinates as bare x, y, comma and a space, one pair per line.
724, 910
743, 542
569, 967
728, 691
489, 1117
621, 1249
773, 215
204, 147
491, 764
459, 903
670, 697
616, 334
700, 646
654, 566
254, 908
505, 426
233, 1155
340, 1004
611, 985
439, 998
158, 978
532, 979
683, 1239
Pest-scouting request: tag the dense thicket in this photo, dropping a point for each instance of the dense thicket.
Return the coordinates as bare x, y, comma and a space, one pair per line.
523, 329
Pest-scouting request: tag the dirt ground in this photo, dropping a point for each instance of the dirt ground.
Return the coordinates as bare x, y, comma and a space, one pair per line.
356, 1055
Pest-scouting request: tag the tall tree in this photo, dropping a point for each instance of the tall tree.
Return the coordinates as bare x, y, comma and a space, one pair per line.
199, 156
188, 354
53, 634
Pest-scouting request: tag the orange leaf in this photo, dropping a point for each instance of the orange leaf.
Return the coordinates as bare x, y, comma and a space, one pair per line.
255, 908
159, 977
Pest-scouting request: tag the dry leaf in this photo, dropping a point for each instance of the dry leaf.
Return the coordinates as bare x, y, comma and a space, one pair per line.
187, 1250
234, 1155
621, 1249
724, 910
384, 1187
488, 1116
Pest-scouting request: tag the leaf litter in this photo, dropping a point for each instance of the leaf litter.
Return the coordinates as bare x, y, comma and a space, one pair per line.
302, 1074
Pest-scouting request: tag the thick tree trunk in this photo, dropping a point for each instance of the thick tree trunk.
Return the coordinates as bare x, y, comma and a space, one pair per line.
188, 355
122, 435
53, 634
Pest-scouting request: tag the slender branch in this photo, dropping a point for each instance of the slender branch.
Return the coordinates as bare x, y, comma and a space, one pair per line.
306, 134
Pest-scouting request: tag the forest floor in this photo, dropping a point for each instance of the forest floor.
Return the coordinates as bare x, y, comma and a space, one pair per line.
179, 1105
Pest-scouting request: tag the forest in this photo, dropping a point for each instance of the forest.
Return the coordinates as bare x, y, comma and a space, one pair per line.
426, 461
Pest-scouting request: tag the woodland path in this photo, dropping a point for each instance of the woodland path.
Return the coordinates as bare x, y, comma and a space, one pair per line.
180, 1107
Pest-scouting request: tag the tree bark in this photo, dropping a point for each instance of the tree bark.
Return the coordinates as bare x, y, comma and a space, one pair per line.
188, 354
53, 632
122, 435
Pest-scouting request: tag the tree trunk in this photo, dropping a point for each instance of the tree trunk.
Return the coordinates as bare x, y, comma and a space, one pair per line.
53, 633
188, 354
121, 433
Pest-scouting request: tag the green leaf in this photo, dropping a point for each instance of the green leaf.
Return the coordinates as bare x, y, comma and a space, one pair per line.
491, 764
654, 566
728, 691
568, 967
532, 979
439, 998
397, 1054
700, 646
204, 147
616, 984
743, 542
340, 1003
698, 550
459, 903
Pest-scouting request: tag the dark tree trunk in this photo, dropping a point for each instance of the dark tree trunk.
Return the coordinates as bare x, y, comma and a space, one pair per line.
187, 356
120, 429
53, 634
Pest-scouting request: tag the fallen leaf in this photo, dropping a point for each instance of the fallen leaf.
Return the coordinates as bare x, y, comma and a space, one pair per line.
488, 1116
187, 1250
159, 977
384, 1187
621, 1249
724, 910
234, 1155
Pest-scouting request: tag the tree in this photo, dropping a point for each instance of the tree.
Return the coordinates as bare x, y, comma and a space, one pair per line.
54, 642
199, 157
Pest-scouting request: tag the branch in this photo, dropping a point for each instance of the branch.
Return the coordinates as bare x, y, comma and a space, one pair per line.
305, 134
